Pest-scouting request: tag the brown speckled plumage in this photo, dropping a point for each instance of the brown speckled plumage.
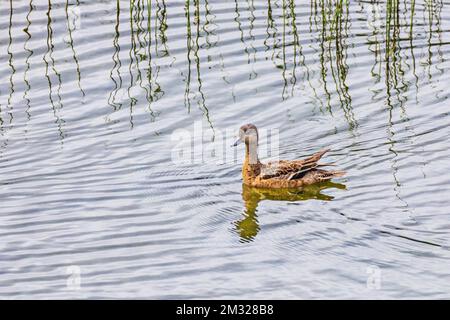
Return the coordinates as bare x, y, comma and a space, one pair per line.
283, 173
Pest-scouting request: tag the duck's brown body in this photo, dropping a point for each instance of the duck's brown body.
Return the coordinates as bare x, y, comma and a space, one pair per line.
284, 173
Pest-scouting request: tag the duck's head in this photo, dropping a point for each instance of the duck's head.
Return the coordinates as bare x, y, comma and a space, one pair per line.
248, 134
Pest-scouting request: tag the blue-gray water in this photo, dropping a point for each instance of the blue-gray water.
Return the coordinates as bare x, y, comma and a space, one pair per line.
92, 92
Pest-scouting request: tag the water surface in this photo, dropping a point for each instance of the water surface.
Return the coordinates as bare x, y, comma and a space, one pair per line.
91, 94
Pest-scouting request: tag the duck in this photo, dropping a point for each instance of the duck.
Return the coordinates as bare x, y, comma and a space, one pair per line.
280, 173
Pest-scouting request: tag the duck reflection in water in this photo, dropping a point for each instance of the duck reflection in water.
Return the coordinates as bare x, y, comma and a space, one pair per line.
248, 227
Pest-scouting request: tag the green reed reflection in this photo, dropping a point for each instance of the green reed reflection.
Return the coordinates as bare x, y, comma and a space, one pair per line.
309, 54
154, 92
248, 48
161, 27
271, 30
117, 63
10, 63
341, 26
193, 53
248, 227
433, 9
411, 44
143, 73
187, 101
50, 62
322, 18
401, 70
334, 31
301, 58
27, 62
135, 31
72, 47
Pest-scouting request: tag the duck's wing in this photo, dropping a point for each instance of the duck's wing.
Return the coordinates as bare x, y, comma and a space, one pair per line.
289, 170
319, 175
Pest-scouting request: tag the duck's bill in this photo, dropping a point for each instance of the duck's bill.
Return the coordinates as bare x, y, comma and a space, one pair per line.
238, 141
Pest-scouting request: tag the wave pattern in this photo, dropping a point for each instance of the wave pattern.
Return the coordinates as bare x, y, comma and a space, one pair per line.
91, 93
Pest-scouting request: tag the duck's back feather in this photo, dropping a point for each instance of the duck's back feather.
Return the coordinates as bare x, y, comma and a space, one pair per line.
291, 170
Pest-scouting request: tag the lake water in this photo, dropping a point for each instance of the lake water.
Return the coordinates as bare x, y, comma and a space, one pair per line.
95, 94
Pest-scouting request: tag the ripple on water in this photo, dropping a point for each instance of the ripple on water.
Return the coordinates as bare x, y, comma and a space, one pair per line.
90, 94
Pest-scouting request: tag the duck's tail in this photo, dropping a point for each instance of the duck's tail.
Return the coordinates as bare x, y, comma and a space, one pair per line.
323, 175
316, 156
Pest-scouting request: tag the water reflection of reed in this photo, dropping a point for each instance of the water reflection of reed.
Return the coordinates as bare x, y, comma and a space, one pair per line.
142, 72
49, 61
398, 62
160, 28
115, 71
249, 49
331, 19
271, 30
341, 26
27, 62
283, 43
11, 65
434, 9
51, 74
155, 91
193, 55
72, 47
135, 28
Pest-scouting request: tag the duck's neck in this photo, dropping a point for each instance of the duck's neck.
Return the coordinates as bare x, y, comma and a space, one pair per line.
252, 166
251, 153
